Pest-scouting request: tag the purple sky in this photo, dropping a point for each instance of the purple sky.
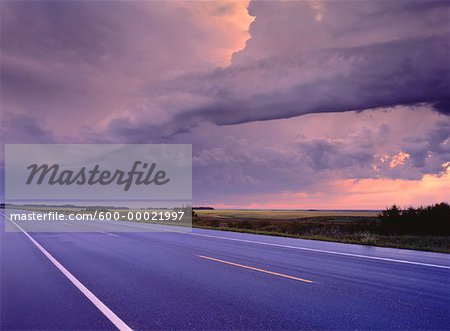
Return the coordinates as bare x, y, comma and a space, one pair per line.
289, 104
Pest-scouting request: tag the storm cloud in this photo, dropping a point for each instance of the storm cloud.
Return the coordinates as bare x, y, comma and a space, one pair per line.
276, 97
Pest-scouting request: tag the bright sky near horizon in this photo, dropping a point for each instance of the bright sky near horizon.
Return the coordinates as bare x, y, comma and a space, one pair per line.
288, 104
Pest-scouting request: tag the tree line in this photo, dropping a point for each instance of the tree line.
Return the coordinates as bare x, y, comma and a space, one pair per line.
429, 220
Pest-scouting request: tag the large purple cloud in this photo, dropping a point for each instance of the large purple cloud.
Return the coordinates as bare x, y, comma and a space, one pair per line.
365, 77
361, 55
148, 72
120, 63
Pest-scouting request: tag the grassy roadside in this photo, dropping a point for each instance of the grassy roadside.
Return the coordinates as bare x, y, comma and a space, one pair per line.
354, 228
439, 244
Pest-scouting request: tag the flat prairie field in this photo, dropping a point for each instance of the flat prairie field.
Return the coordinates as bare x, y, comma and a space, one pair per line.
280, 214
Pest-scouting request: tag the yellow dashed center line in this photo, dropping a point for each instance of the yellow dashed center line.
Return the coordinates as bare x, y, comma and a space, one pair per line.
256, 269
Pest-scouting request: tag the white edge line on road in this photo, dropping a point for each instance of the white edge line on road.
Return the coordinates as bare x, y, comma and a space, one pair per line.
121, 325
328, 252
386, 259
109, 234
301, 248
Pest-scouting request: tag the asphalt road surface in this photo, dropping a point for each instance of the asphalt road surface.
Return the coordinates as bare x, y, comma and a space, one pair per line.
213, 280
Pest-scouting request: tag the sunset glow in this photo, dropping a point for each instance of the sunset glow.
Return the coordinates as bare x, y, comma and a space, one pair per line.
289, 104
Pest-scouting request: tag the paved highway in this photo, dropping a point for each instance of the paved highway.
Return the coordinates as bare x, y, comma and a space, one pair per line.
214, 280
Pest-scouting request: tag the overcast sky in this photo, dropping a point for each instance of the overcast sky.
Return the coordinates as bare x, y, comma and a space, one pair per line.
288, 104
